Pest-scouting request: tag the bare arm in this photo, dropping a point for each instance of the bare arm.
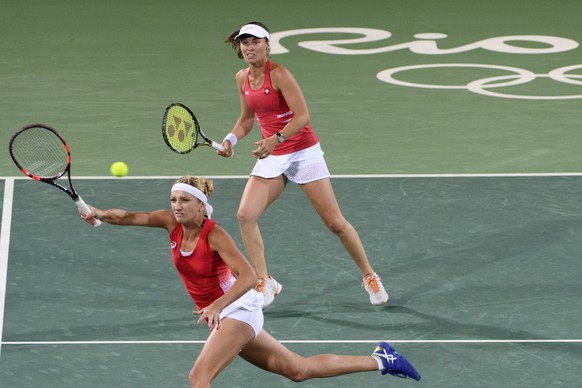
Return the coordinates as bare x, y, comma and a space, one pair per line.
245, 122
246, 277
283, 81
158, 218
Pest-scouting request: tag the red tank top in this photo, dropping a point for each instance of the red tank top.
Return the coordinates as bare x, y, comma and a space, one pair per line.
204, 274
273, 114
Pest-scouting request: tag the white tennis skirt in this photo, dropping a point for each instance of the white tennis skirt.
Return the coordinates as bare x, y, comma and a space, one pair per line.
300, 167
248, 308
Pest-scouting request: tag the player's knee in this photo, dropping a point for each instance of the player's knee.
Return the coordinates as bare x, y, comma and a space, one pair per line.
287, 364
245, 218
336, 225
197, 379
296, 370
297, 374
192, 377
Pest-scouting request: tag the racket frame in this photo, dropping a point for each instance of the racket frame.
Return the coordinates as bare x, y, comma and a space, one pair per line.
52, 180
196, 133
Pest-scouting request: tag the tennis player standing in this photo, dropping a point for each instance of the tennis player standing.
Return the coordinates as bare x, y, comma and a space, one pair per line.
288, 151
221, 283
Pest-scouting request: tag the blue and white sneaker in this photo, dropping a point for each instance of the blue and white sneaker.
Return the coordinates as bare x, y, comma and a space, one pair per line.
394, 363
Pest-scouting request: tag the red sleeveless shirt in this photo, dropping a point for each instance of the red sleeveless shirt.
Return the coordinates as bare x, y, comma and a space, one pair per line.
273, 114
204, 274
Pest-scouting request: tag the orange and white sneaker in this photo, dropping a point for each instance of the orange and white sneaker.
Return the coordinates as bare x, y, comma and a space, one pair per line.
270, 288
373, 285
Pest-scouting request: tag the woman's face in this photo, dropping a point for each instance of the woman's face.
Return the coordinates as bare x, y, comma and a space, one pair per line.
254, 49
185, 206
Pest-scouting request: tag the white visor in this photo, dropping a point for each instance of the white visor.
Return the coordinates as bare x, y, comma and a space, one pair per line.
254, 30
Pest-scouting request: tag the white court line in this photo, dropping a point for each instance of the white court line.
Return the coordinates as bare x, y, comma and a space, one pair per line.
4, 244
490, 341
462, 175
4, 261
350, 176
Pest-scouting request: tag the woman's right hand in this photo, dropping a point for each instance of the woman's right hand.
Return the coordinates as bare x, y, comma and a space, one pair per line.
228, 152
90, 218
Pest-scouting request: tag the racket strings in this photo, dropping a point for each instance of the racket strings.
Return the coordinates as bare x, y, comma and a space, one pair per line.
41, 152
180, 129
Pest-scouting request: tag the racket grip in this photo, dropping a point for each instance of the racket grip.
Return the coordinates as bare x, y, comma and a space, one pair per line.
217, 146
85, 209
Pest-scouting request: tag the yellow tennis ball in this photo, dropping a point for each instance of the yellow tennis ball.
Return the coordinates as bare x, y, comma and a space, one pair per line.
119, 169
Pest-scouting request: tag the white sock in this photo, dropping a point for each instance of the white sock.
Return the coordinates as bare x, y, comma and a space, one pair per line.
379, 361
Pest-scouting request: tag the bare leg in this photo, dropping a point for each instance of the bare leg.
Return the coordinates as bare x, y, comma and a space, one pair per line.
221, 347
269, 354
322, 197
258, 194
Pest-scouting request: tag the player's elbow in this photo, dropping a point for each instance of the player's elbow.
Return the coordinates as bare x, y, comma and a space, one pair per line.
253, 279
303, 119
248, 277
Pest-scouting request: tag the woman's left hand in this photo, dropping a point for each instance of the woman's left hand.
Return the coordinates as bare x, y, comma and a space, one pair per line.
265, 147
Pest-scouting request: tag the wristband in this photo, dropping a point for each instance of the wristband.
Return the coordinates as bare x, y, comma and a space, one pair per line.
231, 138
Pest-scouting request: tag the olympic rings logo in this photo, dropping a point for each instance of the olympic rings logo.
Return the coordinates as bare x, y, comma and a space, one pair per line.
483, 86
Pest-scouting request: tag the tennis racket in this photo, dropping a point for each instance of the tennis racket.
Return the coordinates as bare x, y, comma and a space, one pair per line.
42, 154
181, 130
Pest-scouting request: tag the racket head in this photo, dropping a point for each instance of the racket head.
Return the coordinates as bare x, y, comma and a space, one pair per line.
180, 128
40, 152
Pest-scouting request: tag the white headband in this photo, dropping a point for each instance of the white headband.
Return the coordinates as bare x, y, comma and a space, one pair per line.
254, 30
195, 192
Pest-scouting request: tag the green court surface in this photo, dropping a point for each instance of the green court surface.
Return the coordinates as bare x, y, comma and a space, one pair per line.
103, 72
461, 174
483, 275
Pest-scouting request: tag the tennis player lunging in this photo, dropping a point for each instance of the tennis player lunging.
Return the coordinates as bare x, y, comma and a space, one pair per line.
289, 151
221, 282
